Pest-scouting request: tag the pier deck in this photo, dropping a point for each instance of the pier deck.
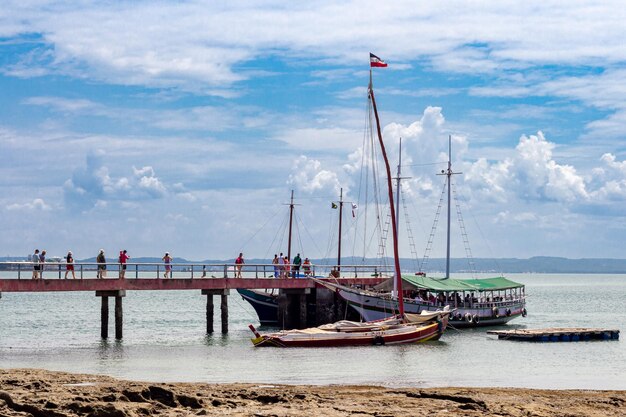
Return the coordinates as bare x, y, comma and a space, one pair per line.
296, 293
557, 334
113, 284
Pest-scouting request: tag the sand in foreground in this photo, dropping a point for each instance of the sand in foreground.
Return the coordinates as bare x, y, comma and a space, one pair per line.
25, 392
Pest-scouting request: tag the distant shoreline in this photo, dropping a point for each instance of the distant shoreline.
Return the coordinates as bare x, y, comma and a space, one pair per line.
41, 392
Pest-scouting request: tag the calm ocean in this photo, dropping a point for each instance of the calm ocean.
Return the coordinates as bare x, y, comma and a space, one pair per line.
164, 340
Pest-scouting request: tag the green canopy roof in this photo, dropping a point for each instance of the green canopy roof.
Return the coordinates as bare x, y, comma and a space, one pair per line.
410, 282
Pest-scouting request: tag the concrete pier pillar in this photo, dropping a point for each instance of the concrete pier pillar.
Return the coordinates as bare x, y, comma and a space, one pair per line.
104, 312
104, 317
119, 316
224, 310
303, 313
209, 313
210, 309
292, 308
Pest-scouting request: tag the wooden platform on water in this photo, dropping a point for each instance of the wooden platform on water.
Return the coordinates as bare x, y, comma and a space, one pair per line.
557, 334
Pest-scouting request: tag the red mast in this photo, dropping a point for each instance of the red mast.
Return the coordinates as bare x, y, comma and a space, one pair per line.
391, 203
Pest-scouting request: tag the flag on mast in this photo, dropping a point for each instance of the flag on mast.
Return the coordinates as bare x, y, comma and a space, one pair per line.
354, 207
333, 205
376, 61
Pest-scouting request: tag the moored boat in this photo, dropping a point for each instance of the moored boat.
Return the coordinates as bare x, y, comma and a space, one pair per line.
477, 302
410, 328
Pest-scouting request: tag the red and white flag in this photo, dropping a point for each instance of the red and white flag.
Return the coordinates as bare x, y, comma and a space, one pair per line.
376, 61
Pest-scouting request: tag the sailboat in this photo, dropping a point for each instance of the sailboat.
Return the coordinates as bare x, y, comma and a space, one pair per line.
265, 303
477, 302
402, 328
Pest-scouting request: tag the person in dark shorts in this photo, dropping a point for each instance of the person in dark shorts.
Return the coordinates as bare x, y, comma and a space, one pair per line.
35, 260
122, 259
102, 265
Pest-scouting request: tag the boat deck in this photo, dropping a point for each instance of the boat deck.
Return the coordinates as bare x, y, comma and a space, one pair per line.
557, 334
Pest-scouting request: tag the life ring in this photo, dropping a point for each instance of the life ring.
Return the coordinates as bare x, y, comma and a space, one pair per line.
524, 313
508, 312
494, 312
469, 318
378, 340
459, 316
475, 318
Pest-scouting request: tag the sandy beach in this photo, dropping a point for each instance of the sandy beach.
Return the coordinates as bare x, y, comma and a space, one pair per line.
34, 392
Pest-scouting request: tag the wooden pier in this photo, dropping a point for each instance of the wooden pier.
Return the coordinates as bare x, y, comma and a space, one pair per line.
209, 280
557, 334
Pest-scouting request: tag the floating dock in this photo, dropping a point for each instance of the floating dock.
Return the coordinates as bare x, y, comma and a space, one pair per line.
558, 334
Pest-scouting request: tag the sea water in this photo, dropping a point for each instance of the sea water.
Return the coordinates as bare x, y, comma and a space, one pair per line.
165, 341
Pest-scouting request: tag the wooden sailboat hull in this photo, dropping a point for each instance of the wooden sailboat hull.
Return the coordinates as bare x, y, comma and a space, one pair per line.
403, 334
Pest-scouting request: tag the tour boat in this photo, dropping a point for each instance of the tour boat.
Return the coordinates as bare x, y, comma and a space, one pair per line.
477, 302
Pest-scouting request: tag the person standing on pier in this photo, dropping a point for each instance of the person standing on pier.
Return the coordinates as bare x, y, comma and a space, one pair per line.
69, 265
238, 265
123, 258
167, 259
281, 267
287, 268
297, 261
102, 265
276, 267
306, 266
42, 261
35, 260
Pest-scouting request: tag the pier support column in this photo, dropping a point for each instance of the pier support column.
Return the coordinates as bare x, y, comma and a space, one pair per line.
209, 313
119, 317
210, 309
104, 317
224, 308
104, 312
292, 308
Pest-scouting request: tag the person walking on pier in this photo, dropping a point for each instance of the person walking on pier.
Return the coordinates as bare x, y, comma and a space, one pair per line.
123, 258
35, 261
297, 261
167, 259
238, 265
69, 265
102, 265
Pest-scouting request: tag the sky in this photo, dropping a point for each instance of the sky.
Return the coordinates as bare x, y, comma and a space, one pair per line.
183, 126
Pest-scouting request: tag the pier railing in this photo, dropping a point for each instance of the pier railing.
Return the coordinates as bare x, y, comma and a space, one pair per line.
152, 270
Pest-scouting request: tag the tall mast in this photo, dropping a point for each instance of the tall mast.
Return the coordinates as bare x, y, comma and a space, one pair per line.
449, 196
398, 178
290, 224
394, 230
339, 236
448, 173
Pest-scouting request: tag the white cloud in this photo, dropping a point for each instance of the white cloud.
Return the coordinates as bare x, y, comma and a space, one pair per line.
37, 204
166, 44
93, 186
309, 176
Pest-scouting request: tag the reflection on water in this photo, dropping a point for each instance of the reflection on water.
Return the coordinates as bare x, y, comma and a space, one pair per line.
164, 340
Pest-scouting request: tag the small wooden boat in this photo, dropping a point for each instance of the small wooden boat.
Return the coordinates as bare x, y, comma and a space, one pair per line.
411, 328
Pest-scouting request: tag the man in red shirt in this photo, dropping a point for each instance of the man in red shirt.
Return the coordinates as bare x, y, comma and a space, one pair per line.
123, 258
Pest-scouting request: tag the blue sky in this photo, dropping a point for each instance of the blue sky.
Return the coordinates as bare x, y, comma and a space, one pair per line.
183, 126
